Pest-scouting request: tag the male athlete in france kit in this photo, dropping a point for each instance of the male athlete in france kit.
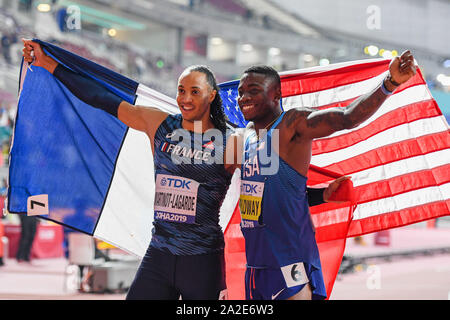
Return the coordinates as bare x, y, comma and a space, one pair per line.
282, 257
185, 256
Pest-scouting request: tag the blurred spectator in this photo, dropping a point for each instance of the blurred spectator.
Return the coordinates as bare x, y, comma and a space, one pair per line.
6, 48
5, 153
28, 232
3, 189
2, 233
25, 5
360, 241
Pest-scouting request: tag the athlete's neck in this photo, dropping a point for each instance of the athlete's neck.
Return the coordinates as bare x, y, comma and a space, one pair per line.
197, 126
267, 121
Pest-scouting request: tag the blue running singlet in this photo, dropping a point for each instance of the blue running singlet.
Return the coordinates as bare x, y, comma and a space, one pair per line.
275, 221
190, 189
186, 254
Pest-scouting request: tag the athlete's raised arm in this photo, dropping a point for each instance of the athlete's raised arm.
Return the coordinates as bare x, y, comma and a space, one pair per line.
310, 123
146, 119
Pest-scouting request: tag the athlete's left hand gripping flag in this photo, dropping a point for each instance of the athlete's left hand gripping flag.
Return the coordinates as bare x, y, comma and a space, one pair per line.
96, 173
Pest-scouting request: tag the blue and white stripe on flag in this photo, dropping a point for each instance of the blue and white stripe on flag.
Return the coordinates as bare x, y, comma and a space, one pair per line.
98, 173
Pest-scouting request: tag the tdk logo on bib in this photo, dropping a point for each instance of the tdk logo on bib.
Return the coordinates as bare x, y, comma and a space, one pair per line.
251, 189
175, 183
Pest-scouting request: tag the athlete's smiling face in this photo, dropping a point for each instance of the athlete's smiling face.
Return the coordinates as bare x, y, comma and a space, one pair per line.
194, 95
257, 96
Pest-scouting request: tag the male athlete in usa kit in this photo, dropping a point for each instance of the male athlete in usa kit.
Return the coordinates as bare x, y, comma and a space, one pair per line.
282, 257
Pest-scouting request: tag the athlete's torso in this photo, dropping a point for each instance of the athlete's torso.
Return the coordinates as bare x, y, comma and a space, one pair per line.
190, 189
275, 218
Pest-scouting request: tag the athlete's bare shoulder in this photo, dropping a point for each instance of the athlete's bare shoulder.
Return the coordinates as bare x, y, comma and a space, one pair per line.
294, 115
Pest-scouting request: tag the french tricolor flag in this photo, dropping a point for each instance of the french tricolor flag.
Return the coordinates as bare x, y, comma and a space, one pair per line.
98, 173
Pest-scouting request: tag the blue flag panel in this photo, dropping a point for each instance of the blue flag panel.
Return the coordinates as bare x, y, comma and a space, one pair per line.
63, 147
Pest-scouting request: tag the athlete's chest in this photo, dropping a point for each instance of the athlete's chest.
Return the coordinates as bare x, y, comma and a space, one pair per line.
260, 157
182, 152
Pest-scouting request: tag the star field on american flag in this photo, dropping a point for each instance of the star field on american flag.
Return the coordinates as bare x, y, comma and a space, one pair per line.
229, 94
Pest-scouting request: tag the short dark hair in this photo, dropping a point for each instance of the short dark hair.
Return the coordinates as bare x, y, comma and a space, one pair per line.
218, 116
267, 71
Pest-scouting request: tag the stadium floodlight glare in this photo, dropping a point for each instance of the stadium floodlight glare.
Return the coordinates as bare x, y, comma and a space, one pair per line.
324, 62
372, 50
446, 63
308, 57
216, 41
247, 47
387, 54
443, 79
112, 32
274, 51
440, 77
44, 7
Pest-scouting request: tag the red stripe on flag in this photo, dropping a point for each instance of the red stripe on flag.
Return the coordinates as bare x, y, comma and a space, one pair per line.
331, 253
339, 104
409, 113
399, 218
314, 81
235, 260
404, 183
310, 82
416, 80
393, 152
332, 232
328, 213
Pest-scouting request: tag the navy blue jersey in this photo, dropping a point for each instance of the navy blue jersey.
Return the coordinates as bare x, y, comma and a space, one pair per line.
275, 218
190, 189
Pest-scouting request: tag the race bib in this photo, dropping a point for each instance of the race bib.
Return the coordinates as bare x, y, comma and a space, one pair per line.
295, 274
250, 202
175, 198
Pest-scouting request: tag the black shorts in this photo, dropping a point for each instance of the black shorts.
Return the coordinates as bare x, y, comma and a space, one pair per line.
164, 276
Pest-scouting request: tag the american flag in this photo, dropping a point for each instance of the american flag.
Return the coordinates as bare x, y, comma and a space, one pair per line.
399, 159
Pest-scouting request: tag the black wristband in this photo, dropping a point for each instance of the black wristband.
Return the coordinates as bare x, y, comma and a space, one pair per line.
88, 90
389, 78
315, 196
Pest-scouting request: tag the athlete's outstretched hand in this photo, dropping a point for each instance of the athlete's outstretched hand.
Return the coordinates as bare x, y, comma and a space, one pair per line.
402, 68
332, 187
33, 53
